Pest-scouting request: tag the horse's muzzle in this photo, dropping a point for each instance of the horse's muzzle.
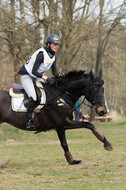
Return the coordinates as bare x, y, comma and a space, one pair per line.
101, 110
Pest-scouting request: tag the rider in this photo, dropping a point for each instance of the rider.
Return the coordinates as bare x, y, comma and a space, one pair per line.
35, 67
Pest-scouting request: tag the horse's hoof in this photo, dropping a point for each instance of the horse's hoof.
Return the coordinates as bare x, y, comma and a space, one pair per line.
77, 162
109, 148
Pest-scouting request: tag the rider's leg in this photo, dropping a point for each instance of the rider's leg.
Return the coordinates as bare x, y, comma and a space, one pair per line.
30, 111
28, 85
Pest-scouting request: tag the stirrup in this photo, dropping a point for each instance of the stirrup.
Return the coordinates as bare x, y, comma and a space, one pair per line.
30, 126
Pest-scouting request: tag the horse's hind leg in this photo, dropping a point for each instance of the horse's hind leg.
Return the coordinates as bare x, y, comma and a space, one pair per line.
96, 132
68, 155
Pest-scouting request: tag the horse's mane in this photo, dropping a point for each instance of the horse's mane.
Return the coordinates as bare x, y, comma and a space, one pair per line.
78, 75
74, 73
71, 76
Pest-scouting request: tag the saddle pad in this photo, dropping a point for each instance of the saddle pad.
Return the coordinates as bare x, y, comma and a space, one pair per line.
18, 104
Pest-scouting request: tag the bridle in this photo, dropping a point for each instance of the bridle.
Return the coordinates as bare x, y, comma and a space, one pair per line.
89, 94
94, 101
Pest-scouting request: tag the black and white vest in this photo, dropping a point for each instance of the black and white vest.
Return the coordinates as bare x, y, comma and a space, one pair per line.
45, 66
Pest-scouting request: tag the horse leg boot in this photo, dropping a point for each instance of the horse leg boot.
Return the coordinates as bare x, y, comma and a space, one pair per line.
30, 109
63, 141
101, 137
76, 125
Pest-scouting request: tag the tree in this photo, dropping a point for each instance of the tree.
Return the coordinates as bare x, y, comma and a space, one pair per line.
105, 34
106, 28
89, 32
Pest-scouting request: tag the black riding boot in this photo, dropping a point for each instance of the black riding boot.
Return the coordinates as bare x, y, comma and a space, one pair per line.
30, 109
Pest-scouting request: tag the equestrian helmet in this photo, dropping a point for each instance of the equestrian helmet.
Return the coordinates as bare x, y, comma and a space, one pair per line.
53, 38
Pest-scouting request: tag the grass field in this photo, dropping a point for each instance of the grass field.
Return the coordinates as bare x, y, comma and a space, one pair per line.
37, 162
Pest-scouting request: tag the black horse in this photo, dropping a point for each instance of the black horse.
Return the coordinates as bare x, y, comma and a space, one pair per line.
57, 112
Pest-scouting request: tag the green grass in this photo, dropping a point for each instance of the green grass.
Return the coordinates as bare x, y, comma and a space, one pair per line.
37, 162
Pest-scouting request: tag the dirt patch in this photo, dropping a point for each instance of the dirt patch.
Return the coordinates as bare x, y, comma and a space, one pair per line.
12, 142
116, 116
4, 163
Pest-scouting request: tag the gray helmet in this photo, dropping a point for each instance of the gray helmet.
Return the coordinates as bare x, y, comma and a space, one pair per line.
53, 38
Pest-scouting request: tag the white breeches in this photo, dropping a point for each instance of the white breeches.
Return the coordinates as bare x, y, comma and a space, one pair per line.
27, 83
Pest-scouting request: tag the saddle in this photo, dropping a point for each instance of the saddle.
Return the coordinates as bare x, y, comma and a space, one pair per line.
17, 88
19, 98
17, 91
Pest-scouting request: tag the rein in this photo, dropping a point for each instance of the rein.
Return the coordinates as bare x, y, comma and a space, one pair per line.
94, 102
67, 93
62, 91
82, 102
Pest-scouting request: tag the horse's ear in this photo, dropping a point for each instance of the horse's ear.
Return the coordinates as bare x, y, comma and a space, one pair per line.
100, 73
92, 75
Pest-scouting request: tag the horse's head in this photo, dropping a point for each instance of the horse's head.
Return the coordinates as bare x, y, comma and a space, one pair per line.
95, 93
77, 83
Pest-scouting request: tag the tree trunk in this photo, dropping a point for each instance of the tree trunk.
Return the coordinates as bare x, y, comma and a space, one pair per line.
99, 54
41, 20
22, 11
11, 34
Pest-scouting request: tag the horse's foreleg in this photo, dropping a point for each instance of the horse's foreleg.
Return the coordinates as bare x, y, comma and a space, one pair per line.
107, 144
88, 125
67, 154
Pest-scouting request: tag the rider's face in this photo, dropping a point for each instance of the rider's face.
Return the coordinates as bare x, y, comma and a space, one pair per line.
54, 47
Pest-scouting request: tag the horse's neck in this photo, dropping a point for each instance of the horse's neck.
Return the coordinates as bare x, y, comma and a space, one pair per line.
76, 88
